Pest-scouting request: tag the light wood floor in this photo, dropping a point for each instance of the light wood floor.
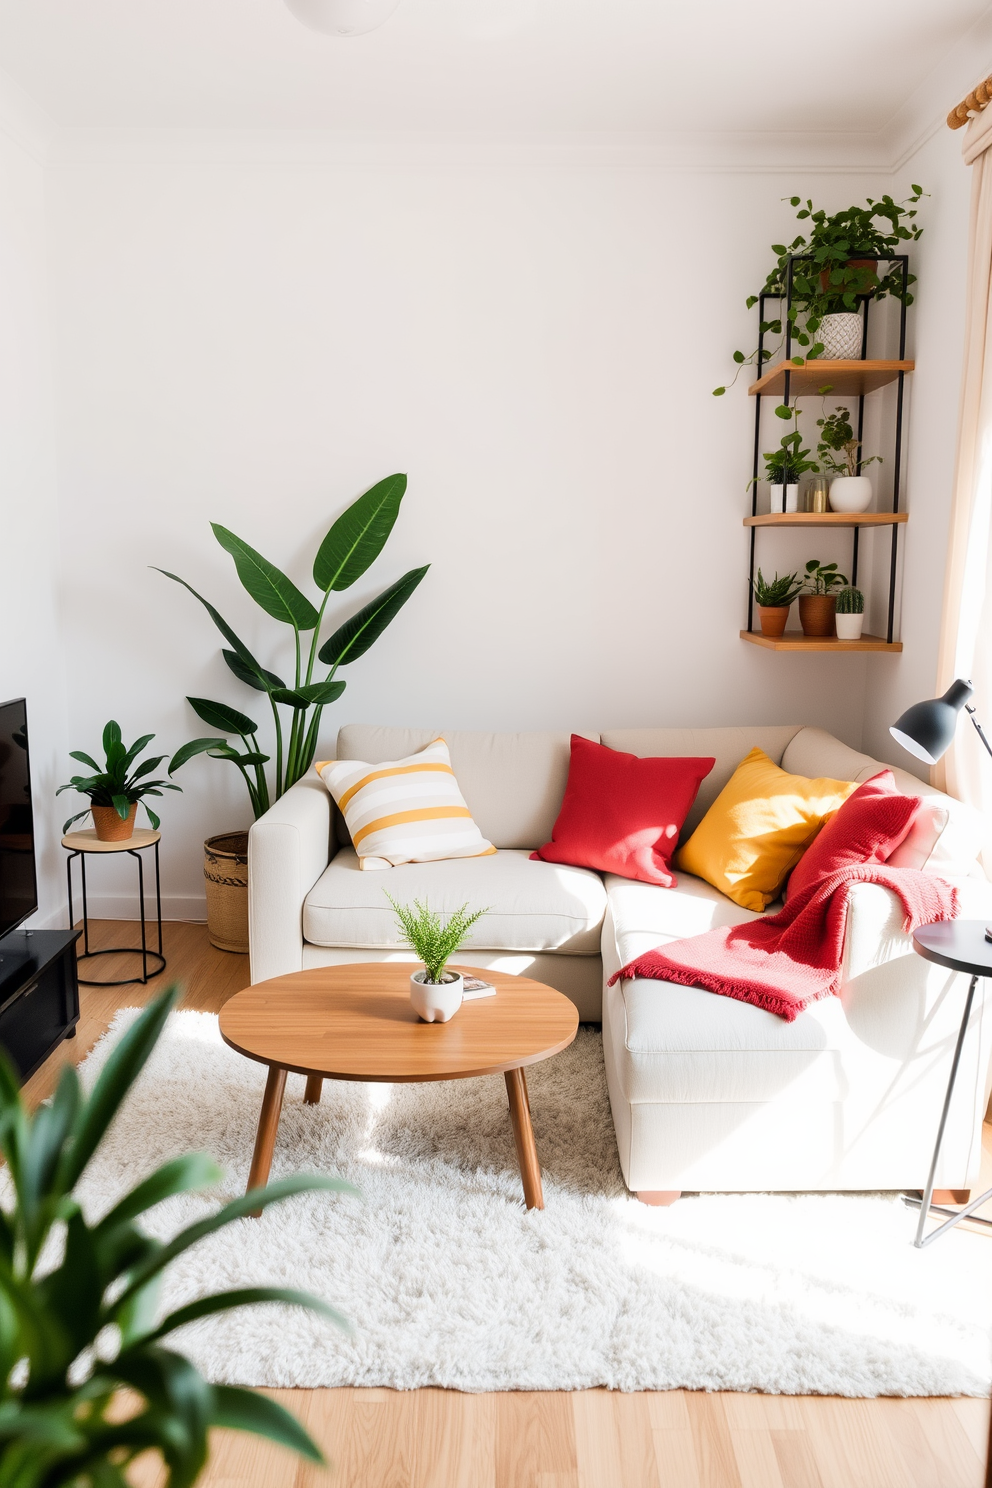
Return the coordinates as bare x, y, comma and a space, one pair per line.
589, 1439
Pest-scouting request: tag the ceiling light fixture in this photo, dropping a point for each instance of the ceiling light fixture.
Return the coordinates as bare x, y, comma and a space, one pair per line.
342, 17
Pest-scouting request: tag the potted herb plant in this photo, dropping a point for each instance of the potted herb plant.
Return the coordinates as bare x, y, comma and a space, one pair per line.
840, 454
835, 266
116, 788
774, 598
436, 992
350, 547
785, 466
817, 605
81, 1321
850, 613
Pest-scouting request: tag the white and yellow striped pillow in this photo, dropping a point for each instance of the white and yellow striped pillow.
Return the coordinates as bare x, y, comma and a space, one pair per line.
404, 811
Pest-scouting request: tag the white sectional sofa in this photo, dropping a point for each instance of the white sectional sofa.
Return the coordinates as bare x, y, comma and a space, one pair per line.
707, 1093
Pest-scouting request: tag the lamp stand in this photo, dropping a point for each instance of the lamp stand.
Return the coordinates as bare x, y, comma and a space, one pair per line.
981, 734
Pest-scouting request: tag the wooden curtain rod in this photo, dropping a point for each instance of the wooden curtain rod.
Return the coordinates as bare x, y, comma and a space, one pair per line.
973, 104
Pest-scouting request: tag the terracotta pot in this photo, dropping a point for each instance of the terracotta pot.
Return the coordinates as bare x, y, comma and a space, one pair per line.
852, 263
816, 614
773, 618
225, 873
109, 827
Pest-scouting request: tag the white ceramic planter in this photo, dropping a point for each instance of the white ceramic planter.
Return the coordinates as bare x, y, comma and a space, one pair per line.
436, 1002
841, 336
850, 493
784, 498
849, 627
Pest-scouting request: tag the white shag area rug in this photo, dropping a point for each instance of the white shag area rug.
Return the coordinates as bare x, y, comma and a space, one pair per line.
450, 1281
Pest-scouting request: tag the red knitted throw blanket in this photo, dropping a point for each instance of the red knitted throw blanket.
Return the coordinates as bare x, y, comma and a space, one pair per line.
783, 962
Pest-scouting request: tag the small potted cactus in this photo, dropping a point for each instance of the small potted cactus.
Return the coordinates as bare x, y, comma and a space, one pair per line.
850, 614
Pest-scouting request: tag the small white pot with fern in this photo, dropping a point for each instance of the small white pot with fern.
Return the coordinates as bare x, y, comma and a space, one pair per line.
850, 613
436, 992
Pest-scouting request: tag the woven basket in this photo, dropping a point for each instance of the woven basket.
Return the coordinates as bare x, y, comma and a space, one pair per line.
225, 870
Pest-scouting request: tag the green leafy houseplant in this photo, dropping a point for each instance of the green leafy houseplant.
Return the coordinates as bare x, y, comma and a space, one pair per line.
350, 547
837, 439
834, 267
434, 941
112, 785
850, 601
822, 578
78, 1300
777, 593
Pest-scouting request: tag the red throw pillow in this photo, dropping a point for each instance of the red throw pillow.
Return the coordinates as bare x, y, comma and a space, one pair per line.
866, 829
622, 814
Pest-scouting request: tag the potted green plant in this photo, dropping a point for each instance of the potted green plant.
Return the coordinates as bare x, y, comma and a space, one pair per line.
774, 598
817, 605
850, 613
81, 1323
436, 992
835, 267
786, 465
116, 788
351, 545
840, 454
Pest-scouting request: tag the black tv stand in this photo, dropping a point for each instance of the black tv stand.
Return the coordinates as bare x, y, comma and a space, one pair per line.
39, 994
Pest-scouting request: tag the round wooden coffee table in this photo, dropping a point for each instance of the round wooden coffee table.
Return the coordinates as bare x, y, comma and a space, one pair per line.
356, 1022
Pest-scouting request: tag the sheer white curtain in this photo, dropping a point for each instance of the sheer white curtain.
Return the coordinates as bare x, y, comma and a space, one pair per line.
966, 630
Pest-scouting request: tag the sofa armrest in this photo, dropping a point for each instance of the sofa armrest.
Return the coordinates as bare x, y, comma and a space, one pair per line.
874, 934
288, 849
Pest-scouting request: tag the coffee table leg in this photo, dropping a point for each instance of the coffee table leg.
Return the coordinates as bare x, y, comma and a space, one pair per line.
523, 1136
268, 1125
315, 1084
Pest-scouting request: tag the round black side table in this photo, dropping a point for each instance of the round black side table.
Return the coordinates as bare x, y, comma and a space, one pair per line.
80, 845
961, 946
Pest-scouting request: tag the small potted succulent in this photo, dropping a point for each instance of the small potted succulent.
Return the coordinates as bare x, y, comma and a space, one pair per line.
774, 598
817, 607
850, 615
840, 455
436, 992
113, 792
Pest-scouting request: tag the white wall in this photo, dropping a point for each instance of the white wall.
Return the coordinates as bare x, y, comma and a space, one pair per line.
936, 340
535, 347
31, 651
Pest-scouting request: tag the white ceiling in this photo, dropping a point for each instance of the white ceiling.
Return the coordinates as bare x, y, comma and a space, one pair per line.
640, 65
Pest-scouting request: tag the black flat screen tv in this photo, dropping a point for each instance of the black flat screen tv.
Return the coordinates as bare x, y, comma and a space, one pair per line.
18, 878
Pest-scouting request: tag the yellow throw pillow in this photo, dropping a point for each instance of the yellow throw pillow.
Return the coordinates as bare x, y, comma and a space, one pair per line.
758, 828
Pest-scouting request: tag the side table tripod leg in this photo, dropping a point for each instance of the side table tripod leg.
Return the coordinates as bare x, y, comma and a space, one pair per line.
523, 1136
268, 1125
919, 1242
315, 1084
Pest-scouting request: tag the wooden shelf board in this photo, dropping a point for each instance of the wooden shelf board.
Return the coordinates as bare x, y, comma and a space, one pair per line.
794, 640
826, 519
846, 379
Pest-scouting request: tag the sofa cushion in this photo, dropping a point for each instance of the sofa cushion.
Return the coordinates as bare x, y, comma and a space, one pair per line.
758, 828
622, 814
815, 752
728, 746
513, 784
534, 906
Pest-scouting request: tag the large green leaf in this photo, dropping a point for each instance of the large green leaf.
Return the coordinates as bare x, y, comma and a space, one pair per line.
241, 1410
305, 697
355, 636
267, 585
222, 716
359, 535
243, 1297
124, 1063
182, 1174
251, 678
232, 639
194, 747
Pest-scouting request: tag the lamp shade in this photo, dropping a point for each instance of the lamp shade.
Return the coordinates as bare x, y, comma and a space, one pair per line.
926, 729
342, 17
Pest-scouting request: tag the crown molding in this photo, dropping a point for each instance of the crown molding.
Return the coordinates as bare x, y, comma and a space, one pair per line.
698, 150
